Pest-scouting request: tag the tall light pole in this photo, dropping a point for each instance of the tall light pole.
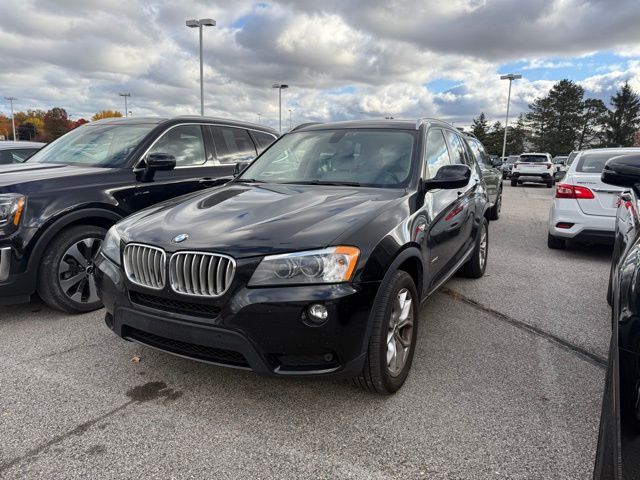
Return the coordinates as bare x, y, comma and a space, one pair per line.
126, 110
259, 118
290, 122
13, 122
511, 77
280, 87
203, 22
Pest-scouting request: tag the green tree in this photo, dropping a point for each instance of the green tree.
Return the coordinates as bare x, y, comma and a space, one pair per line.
516, 137
493, 142
594, 119
624, 119
480, 127
56, 123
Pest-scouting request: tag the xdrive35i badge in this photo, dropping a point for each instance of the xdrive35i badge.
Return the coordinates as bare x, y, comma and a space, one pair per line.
180, 238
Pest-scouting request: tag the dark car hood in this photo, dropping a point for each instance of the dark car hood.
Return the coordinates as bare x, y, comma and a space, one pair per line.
15, 174
250, 220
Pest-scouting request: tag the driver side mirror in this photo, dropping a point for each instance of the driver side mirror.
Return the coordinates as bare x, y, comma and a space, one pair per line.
622, 171
239, 168
449, 177
155, 162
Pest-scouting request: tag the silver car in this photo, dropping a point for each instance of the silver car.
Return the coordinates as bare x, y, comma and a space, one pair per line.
584, 208
17, 152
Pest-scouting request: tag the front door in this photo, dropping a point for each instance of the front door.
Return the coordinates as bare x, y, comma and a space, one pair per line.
196, 165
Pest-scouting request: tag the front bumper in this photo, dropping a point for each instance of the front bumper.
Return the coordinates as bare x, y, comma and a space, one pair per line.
262, 329
15, 287
586, 228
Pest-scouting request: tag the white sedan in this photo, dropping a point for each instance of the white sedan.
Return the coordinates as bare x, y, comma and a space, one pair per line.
584, 208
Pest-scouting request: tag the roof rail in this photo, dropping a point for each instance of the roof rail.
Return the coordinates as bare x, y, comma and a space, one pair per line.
302, 125
421, 121
469, 134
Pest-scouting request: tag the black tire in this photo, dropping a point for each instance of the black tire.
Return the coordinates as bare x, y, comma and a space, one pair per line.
477, 264
50, 275
514, 183
550, 184
555, 243
376, 375
494, 214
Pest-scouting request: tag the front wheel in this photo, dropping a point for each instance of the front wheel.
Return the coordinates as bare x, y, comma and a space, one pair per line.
514, 183
477, 264
66, 278
393, 336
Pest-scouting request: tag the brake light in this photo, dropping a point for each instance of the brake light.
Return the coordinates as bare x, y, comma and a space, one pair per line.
566, 190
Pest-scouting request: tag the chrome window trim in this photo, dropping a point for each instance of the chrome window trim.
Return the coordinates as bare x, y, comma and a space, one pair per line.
215, 160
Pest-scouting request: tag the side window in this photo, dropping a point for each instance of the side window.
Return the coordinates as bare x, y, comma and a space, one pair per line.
233, 145
457, 148
478, 153
437, 153
20, 156
184, 142
263, 140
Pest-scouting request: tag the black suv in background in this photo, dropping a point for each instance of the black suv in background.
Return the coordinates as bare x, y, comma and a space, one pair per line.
313, 261
57, 206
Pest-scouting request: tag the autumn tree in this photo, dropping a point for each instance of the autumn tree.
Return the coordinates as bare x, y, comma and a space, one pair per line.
106, 114
56, 123
5, 126
77, 123
624, 120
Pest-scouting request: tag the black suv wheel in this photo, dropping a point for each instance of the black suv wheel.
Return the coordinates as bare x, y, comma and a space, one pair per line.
477, 264
393, 338
66, 278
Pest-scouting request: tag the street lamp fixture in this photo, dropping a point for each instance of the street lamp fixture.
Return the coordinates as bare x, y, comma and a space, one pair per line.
203, 22
13, 122
125, 95
511, 77
280, 87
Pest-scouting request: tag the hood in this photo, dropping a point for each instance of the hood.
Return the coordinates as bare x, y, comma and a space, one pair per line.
15, 174
250, 220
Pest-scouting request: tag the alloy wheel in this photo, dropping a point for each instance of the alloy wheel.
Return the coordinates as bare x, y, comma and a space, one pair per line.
76, 271
483, 247
400, 332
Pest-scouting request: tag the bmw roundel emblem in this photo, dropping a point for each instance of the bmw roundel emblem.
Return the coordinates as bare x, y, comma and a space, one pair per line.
180, 238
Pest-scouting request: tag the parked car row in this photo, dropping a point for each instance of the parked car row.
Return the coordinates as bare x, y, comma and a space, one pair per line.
313, 260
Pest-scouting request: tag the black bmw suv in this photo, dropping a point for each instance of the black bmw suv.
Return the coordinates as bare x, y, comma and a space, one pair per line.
313, 261
57, 206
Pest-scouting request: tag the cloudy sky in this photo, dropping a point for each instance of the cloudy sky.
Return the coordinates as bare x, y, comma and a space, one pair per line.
343, 59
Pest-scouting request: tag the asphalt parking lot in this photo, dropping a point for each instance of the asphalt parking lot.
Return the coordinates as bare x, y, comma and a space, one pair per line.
506, 383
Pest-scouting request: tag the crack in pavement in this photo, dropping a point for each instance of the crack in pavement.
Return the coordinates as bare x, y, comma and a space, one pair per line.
79, 430
576, 350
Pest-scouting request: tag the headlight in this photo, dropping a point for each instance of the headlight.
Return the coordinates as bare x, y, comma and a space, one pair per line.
111, 245
330, 265
11, 209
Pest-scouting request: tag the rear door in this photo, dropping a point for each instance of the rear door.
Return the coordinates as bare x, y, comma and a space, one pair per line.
587, 171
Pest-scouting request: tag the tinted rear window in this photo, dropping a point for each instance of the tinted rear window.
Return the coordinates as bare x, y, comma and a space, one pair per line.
533, 158
594, 162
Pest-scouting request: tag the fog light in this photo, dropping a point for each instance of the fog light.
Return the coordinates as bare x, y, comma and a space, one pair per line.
317, 313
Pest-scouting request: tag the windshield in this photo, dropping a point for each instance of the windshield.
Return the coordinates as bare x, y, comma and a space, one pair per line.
594, 162
572, 157
533, 158
513, 159
97, 146
377, 158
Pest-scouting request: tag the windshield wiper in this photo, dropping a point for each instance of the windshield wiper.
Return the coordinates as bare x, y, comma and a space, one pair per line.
249, 180
320, 182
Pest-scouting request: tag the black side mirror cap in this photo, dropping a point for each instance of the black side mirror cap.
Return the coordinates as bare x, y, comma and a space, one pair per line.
155, 162
622, 171
449, 177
